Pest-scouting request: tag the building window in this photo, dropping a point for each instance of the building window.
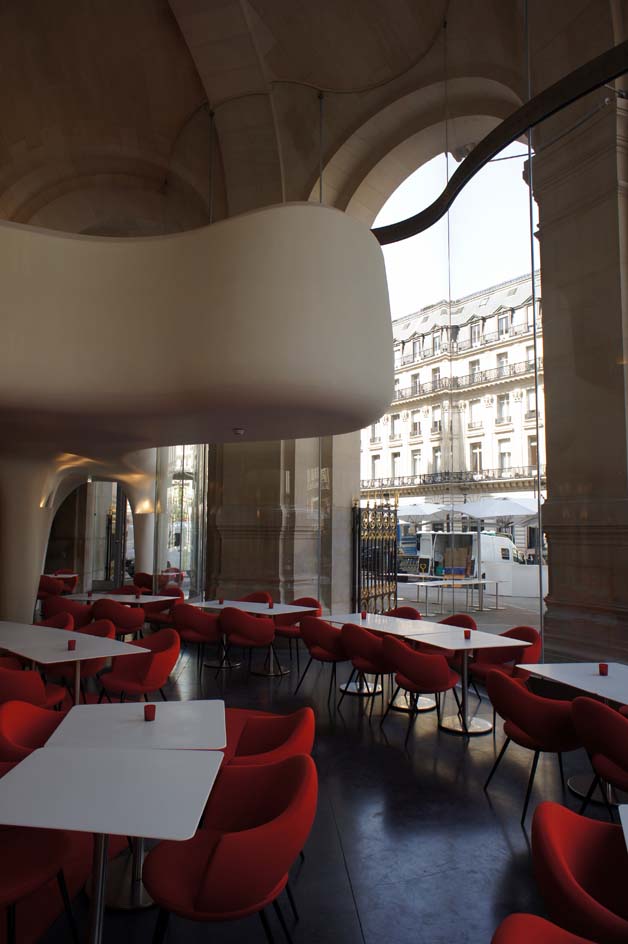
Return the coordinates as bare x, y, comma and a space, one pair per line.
505, 455
415, 428
530, 403
502, 364
503, 325
437, 417
395, 426
530, 354
533, 452
416, 350
475, 414
476, 457
476, 334
376, 467
415, 383
416, 461
436, 342
436, 459
397, 382
474, 370
435, 378
503, 408
376, 433
395, 464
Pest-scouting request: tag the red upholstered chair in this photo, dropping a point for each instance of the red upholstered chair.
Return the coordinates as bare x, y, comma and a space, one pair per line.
29, 686
258, 596
59, 621
162, 614
288, 627
70, 583
505, 660
538, 724
248, 631
366, 651
49, 587
418, 673
90, 668
81, 612
404, 612
462, 621
170, 577
256, 822
526, 928
581, 868
143, 580
259, 737
128, 620
324, 644
603, 733
11, 662
197, 627
147, 671
29, 859
24, 728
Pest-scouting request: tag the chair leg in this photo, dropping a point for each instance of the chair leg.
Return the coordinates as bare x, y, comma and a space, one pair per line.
162, 926
412, 718
282, 921
297, 647
497, 762
300, 682
162, 693
353, 671
302, 855
560, 767
145, 696
594, 783
332, 679
373, 695
290, 647
292, 901
11, 924
266, 926
67, 904
537, 754
475, 689
390, 704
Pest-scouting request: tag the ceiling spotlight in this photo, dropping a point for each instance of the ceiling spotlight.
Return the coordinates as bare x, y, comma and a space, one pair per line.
238, 431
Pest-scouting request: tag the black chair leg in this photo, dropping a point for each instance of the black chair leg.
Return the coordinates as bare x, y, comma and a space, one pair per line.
374, 694
594, 783
475, 689
302, 855
292, 901
332, 682
297, 647
344, 692
537, 754
497, 762
412, 718
145, 696
560, 767
162, 926
390, 704
11, 924
266, 926
300, 682
282, 921
67, 904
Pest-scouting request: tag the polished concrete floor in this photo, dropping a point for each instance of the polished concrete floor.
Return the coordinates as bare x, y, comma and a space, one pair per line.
406, 846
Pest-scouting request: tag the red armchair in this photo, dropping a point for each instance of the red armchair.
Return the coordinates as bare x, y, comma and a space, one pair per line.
257, 596
59, 621
539, 724
259, 737
324, 644
505, 660
581, 868
604, 735
70, 583
524, 928
248, 631
288, 627
162, 614
90, 668
128, 620
147, 671
257, 821
24, 728
81, 612
197, 627
49, 587
29, 686
366, 652
404, 612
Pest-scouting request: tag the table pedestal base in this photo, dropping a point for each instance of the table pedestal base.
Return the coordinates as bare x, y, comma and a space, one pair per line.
579, 785
124, 888
475, 726
402, 704
360, 689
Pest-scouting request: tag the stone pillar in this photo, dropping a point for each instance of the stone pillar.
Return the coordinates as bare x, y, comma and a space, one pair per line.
580, 185
279, 518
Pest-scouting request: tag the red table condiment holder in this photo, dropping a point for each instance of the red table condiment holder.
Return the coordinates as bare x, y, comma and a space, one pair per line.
467, 634
603, 667
149, 712
71, 645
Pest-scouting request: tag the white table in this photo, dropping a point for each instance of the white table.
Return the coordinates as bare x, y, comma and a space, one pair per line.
586, 677
127, 598
623, 819
453, 639
149, 794
452, 583
179, 725
61, 577
47, 645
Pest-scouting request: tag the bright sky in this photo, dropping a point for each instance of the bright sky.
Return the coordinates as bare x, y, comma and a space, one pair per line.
489, 233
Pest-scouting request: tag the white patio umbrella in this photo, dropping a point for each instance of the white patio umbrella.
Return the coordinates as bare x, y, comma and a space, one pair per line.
422, 510
492, 508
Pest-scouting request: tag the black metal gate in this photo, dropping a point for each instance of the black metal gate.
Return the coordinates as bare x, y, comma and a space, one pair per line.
374, 558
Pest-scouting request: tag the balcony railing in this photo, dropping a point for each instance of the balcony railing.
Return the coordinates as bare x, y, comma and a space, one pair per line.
375, 439
437, 426
475, 424
415, 430
458, 347
505, 372
451, 478
530, 415
502, 420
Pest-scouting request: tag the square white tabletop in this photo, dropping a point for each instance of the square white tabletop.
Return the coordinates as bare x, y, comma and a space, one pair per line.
393, 625
48, 645
586, 676
262, 609
127, 598
61, 576
152, 794
190, 725
453, 638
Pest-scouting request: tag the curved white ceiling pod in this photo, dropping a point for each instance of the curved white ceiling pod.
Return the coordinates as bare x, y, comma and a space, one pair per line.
276, 322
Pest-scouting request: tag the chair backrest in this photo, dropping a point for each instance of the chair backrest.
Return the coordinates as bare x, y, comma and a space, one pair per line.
22, 686
510, 654
143, 580
602, 730
289, 734
11, 662
248, 863
151, 669
70, 583
428, 672
81, 612
123, 617
319, 633
463, 620
260, 630
25, 727
187, 616
547, 720
164, 605
359, 643
309, 601
404, 612
62, 620
50, 585
258, 596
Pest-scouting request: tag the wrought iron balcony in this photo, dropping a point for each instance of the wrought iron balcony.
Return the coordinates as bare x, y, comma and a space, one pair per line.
504, 372
520, 473
503, 420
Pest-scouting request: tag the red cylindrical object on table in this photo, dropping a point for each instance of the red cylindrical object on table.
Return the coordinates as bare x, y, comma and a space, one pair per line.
603, 667
467, 634
71, 645
149, 712
270, 605
363, 614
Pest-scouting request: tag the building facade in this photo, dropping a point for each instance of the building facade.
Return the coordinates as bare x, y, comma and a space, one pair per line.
467, 412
